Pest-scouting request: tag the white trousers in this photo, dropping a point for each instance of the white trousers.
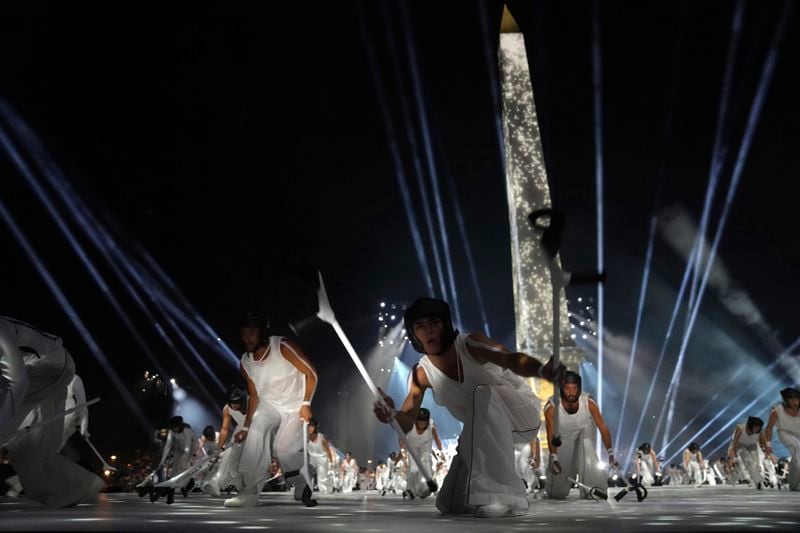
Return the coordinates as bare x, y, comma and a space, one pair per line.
324, 480
271, 432
792, 443
578, 461
483, 472
47, 476
415, 481
224, 474
751, 462
694, 473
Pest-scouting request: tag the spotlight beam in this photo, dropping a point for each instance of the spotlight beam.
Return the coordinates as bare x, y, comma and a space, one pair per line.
415, 156
744, 149
394, 152
429, 156
667, 338
70, 311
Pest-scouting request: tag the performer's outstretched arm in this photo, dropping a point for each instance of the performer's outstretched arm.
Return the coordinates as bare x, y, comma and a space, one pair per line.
436, 439
292, 352
482, 348
408, 412
252, 404
226, 427
773, 419
605, 434
735, 443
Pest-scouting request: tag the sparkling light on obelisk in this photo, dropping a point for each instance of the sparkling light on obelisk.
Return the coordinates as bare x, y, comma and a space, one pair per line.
528, 189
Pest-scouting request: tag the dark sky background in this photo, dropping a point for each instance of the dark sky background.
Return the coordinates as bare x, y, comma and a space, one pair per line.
235, 141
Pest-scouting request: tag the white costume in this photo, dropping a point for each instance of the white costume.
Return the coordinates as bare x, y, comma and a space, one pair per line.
422, 444
694, 471
224, 473
276, 427
77, 420
35, 371
524, 461
576, 454
397, 475
497, 408
749, 453
788, 427
318, 457
647, 468
179, 451
350, 477
381, 476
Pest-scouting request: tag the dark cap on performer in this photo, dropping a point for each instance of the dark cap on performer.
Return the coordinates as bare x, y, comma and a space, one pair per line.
428, 308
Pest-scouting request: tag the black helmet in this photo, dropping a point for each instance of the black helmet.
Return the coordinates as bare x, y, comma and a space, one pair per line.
571, 377
423, 414
645, 447
236, 393
209, 433
426, 308
693, 447
754, 422
789, 393
176, 423
253, 319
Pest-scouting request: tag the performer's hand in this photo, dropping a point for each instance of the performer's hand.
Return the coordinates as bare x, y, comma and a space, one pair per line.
551, 374
557, 468
240, 436
384, 413
537, 463
613, 461
305, 413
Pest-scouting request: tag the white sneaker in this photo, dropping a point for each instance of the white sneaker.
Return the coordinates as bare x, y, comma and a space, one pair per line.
494, 510
211, 489
245, 500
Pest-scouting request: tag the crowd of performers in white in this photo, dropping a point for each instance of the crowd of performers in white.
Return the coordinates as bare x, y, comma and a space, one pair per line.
268, 436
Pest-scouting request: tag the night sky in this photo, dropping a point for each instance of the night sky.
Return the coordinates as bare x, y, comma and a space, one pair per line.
237, 141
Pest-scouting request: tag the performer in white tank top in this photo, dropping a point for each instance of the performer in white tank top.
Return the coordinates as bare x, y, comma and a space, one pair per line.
647, 466
349, 472
693, 464
224, 475
421, 439
320, 455
575, 458
746, 444
35, 371
785, 417
280, 385
481, 384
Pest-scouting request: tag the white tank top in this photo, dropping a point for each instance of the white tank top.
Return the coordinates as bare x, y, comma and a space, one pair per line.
747, 441
457, 397
570, 425
648, 459
787, 422
316, 448
421, 442
277, 380
237, 416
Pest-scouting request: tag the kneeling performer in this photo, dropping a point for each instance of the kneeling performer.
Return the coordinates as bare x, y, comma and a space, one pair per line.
481, 384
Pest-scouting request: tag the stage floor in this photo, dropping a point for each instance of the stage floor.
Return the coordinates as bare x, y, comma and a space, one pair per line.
666, 509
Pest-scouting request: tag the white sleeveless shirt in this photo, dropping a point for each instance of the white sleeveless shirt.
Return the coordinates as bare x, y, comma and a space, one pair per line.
422, 442
237, 416
787, 422
570, 425
317, 448
518, 398
277, 381
747, 441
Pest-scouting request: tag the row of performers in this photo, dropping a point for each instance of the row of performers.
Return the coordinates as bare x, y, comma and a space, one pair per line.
479, 381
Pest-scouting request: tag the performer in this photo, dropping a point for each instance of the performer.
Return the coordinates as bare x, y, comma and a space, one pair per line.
397, 474
693, 464
421, 438
320, 456
528, 461
349, 472
481, 384
785, 417
647, 466
77, 420
35, 371
381, 476
179, 451
578, 421
224, 475
280, 385
746, 444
